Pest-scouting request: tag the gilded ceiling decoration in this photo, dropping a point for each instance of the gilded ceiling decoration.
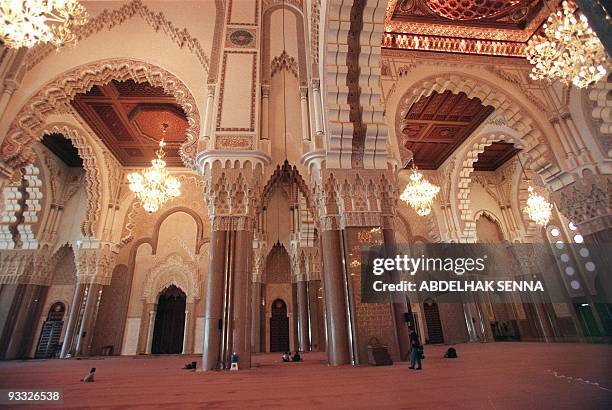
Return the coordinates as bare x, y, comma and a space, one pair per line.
490, 27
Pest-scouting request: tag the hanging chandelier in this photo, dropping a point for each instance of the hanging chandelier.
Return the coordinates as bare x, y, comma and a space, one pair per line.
154, 185
419, 192
26, 23
538, 208
569, 50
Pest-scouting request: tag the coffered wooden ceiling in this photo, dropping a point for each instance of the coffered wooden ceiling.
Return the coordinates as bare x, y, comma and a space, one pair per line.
129, 118
436, 125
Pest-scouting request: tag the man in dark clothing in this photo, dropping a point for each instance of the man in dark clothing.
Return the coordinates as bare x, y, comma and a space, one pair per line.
416, 350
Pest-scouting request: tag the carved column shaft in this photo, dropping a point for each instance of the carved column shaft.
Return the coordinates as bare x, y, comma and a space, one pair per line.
256, 317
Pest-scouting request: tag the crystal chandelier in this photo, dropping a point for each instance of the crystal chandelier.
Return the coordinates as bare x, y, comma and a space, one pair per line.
26, 23
569, 51
419, 192
154, 185
538, 208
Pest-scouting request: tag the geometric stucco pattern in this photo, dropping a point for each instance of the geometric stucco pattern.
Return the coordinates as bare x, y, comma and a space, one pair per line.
172, 271
587, 202
55, 97
108, 19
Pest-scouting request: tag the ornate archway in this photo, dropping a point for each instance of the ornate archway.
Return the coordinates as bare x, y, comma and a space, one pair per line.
56, 95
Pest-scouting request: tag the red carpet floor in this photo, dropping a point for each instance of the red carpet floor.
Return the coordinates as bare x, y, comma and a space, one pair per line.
485, 376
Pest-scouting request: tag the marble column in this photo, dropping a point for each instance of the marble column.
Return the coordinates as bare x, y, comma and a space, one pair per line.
186, 349
241, 306
256, 317
334, 285
304, 111
318, 112
213, 309
151, 308
85, 336
265, 115
17, 337
399, 303
208, 118
73, 319
303, 325
314, 315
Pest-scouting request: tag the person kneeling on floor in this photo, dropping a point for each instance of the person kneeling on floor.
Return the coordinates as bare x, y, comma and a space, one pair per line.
297, 357
287, 357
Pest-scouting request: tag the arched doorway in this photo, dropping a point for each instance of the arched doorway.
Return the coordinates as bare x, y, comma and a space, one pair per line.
279, 327
432, 319
169, 322
49, 341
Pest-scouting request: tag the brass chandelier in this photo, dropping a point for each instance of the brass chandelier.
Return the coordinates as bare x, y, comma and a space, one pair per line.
419, 192
154, 186
27, 23
569, 50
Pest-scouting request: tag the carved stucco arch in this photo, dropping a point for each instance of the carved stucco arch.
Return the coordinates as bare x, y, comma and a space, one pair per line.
172, 271
489, 214
56, 95
475, 146
537, 148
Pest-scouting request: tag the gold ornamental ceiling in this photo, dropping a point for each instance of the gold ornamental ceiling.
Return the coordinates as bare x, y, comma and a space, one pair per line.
488, 27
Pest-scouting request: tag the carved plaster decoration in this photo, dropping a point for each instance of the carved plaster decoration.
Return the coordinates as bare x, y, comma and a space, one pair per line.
109, 19
232, 194
356, 113
173, 270
283, 62
55, 97
234, 142
587, 202
357, 198
95, 264
315, 17
26, 266
599, 94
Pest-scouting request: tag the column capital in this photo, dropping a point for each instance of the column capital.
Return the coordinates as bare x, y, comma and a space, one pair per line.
95, 264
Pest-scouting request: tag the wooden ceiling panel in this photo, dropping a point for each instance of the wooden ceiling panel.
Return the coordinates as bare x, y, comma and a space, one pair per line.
130, 118
494, 156
437, 124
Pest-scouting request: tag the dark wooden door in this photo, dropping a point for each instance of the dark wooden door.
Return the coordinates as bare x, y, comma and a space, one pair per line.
279, 327
432, 319
169, 322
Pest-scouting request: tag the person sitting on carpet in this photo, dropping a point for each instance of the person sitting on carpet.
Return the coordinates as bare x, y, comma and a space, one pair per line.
297, 357
287, 357
90, 376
